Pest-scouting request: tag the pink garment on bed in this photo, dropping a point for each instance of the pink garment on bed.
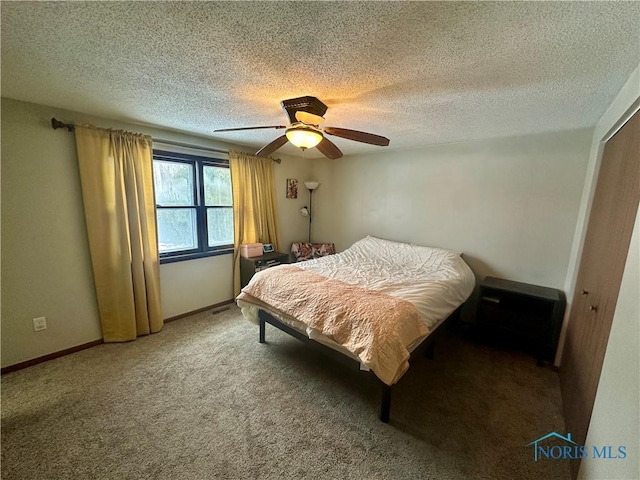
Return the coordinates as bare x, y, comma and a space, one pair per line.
374, 326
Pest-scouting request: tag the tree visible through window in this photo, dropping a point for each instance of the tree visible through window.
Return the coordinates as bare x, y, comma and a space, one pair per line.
194, 205
217, 199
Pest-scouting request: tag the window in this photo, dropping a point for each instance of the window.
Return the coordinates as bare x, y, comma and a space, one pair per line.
193, 204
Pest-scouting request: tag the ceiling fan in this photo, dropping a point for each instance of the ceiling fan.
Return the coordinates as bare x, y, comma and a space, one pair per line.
304, 131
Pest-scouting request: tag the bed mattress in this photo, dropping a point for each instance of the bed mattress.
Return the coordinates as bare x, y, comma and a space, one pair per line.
435, 281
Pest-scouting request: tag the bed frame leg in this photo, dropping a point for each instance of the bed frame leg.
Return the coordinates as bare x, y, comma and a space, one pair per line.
385, 406
261, 330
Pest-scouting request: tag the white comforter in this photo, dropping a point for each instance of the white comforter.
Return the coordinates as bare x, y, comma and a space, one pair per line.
434, 280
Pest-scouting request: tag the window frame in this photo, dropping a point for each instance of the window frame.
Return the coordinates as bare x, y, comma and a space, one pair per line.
197, 163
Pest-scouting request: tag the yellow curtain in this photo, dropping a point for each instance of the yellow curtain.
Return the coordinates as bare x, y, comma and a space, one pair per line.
255, 217
117, 188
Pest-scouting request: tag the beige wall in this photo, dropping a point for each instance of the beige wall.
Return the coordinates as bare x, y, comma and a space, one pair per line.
510, 204
293, 226
46, 268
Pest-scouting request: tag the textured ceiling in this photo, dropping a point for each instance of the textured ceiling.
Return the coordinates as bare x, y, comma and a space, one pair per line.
418, 73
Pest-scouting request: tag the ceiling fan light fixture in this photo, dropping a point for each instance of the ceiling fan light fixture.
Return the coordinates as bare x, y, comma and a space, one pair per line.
304, 137
304, 131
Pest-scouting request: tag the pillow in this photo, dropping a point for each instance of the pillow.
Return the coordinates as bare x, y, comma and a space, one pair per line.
306, 251
376, 245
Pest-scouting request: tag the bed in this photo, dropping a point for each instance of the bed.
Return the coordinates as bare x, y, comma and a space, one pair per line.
378, 304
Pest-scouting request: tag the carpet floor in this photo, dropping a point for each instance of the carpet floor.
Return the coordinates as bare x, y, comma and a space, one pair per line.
204, 400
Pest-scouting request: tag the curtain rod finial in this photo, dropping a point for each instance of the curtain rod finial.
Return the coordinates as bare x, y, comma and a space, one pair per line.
55, 124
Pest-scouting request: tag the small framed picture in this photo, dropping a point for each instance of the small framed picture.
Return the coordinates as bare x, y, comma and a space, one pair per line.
292, 188
267, 248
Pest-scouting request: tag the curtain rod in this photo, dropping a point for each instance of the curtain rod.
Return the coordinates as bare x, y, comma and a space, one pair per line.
55, 124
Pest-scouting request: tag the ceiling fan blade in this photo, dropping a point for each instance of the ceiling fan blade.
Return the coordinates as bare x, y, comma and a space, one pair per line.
309, 118
272, 147
247, 128
357, 136
329, 149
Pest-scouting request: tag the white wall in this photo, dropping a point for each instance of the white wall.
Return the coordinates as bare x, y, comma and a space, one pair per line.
46, 268
194, 284
510, 204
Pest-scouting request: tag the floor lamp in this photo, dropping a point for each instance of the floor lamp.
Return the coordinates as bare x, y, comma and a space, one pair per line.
311, 186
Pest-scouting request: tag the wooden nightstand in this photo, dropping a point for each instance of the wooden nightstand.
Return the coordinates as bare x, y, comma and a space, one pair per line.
528, 314
250, 266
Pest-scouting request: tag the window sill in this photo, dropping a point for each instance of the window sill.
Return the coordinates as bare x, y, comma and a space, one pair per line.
194, 256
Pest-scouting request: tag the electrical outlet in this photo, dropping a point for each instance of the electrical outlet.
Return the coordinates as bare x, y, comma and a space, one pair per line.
39, 323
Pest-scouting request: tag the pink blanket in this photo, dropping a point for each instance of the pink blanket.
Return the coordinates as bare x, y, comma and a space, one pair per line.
374, 326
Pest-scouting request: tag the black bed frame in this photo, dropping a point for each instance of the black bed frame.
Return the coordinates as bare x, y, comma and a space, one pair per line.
427, 347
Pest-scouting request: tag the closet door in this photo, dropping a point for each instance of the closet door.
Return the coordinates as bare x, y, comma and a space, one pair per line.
600, 273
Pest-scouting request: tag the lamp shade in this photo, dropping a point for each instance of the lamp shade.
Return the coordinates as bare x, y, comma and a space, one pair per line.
303, 137
311, 185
